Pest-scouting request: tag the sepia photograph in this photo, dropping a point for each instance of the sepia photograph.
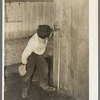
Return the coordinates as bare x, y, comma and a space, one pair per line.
46, 49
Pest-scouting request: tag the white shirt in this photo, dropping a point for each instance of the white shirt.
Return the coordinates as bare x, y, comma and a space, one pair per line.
34, 45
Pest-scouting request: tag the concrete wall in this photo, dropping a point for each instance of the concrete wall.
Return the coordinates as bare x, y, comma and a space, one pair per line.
71, 47
23, 17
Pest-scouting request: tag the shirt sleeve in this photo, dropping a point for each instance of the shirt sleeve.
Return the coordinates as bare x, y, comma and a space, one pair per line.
28, 50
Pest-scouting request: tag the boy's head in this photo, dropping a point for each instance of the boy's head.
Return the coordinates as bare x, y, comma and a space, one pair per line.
44, 31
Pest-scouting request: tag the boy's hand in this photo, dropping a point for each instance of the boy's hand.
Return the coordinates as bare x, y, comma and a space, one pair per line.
22, 70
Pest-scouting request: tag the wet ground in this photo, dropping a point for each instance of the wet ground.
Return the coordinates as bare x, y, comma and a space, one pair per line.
13, 91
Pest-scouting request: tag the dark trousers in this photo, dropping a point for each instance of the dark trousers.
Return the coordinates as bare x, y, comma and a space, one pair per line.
40, 62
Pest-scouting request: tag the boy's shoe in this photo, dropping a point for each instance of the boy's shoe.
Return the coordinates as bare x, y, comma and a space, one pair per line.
24, 93
48, 88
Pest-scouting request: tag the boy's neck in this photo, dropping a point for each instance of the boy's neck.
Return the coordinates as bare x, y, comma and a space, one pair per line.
42, 40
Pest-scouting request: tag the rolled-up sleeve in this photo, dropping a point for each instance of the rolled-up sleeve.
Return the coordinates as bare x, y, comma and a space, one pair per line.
28, 50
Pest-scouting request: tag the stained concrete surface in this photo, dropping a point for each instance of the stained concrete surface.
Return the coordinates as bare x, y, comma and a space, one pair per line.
13, 91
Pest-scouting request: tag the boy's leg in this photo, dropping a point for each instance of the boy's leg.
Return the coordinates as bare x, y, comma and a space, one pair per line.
42, 68
49, 60
27, 77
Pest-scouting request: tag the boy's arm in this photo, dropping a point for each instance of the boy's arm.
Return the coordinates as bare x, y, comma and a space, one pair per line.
28, 50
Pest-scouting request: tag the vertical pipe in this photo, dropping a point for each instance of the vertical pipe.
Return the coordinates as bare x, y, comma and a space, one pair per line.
59, 62
59, 47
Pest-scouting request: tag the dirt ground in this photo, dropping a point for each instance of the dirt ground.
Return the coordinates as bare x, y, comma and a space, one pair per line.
13, 88
13, 50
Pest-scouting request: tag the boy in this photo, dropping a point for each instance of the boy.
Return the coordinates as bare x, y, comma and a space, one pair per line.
33, 55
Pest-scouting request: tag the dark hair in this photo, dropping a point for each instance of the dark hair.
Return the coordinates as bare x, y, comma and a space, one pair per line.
44, 31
